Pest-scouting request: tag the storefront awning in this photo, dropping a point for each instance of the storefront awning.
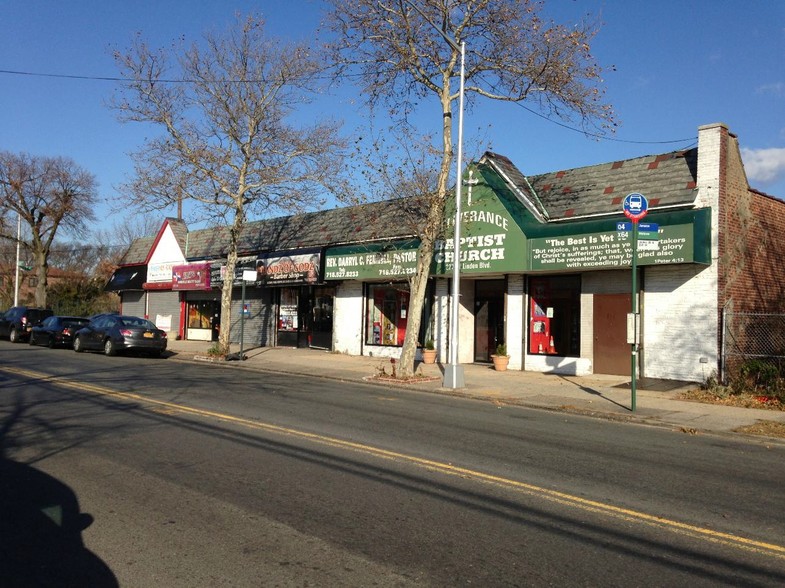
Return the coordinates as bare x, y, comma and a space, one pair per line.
127, 278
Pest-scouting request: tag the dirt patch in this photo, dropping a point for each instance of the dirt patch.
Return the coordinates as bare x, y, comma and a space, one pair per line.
765, 428
398, 380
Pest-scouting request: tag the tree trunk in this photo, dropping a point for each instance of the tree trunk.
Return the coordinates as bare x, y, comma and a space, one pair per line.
224, 341
419, 282
41, 269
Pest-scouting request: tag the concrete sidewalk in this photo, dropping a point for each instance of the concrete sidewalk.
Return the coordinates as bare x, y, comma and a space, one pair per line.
596, 395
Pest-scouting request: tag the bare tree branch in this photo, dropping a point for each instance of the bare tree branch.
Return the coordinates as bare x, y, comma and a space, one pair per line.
227, 144
407, 51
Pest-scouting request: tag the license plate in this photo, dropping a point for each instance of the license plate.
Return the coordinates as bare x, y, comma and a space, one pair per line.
148, 335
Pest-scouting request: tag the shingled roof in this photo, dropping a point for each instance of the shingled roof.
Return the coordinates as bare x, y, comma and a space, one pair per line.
365, 223
138, 251
667, 180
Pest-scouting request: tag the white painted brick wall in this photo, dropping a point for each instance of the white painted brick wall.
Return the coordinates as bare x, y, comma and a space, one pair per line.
516, 309
347, 318
680, 322
441, 314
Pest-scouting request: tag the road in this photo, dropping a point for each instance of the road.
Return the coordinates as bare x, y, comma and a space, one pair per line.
200, 475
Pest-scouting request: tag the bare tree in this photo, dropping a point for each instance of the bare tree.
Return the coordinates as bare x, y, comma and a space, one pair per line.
408, 50
227, 145
49, 194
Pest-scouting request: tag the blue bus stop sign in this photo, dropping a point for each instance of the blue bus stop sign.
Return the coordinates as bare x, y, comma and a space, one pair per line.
635, 206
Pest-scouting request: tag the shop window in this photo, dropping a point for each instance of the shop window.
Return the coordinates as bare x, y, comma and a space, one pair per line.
554, 315
288, 314
200, 314
388, 308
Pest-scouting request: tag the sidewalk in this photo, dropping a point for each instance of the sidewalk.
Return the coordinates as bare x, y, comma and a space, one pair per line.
596, 395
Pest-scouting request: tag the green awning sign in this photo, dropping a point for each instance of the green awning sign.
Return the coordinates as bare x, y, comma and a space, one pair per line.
610, 250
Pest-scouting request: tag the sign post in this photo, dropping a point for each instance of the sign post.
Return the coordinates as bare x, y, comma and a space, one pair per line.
635, 208
248, 276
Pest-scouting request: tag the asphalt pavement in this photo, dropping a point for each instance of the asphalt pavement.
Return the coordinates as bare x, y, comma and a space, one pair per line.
602, 396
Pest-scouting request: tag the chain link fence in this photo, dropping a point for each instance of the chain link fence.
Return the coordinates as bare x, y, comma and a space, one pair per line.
749, 336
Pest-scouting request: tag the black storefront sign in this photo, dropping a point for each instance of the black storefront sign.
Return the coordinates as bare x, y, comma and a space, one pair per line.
289, 268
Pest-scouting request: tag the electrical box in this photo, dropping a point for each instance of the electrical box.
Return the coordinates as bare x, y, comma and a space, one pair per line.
632, 328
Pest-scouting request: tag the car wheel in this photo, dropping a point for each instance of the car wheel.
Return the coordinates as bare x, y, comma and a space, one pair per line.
13, 336
78, 345
31, 340
51, 342
109, 347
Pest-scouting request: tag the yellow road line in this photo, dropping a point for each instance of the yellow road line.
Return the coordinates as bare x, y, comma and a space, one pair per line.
162, 406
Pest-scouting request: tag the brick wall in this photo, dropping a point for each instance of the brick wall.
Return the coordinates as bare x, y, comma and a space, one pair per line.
752, 243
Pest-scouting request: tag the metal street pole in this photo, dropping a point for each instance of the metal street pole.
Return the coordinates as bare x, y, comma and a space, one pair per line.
18, 241
453, 372
634, 350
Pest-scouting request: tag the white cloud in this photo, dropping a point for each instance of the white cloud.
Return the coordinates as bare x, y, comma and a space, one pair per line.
764, 165
777, 89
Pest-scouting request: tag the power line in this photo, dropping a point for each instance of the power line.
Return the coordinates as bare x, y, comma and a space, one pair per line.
599, 136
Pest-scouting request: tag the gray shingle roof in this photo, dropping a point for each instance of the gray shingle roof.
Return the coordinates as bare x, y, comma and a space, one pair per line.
376, 221
138, 251
666, 180
179, 230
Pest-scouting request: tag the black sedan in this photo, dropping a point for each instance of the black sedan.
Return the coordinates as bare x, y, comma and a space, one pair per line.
57, 331
112, 333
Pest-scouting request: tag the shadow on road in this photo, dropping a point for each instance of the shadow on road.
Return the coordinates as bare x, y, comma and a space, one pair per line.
41, 533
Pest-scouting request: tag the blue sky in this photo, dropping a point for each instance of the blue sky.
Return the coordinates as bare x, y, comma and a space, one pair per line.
678, 65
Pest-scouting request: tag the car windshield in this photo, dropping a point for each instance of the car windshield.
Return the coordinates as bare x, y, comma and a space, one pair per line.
132, 321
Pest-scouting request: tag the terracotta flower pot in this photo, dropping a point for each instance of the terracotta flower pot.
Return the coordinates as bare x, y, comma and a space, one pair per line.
429, 356
500, 362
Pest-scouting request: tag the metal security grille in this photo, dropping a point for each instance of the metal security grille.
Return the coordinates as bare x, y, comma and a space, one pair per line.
750, 335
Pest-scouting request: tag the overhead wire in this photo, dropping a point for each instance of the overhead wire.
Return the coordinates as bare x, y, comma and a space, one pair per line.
600, 136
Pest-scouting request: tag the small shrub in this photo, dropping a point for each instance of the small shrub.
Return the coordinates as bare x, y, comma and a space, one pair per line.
756, 376
429, 344
501, 349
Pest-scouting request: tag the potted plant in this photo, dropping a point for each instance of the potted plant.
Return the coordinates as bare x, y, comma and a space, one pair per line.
500, 358
429, 352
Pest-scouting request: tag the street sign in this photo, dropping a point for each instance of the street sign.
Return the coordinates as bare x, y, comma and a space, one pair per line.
624, 227
648, 245
648, 227
635, 206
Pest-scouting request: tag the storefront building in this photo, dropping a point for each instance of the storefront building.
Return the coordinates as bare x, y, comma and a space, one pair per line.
545, 268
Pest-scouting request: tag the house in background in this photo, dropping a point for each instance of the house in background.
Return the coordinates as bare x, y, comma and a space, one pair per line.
28, 281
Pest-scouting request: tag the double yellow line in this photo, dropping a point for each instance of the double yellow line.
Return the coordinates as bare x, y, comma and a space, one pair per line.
735, 541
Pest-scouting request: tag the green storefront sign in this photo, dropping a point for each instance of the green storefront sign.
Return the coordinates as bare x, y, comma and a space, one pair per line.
500, 236
373, 261
676, 243
491, 241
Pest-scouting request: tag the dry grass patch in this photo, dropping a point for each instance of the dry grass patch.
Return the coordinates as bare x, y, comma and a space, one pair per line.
744, 400
765, 428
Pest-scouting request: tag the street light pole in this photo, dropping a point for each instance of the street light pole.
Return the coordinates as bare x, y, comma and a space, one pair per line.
453, 371
18, 241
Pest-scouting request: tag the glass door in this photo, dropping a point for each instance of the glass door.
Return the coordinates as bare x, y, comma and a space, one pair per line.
488, 318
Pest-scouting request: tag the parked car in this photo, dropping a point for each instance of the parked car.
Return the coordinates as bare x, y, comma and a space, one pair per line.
57, 331
17, 322
113, 333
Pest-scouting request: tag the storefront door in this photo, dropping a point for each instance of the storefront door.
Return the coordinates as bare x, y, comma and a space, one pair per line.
488, 318
320, 318
611, 350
